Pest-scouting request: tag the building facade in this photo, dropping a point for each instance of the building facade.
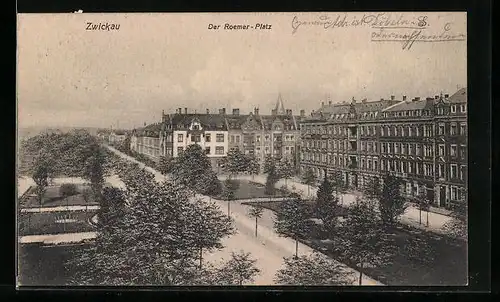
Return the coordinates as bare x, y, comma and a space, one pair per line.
423, 142
276, 134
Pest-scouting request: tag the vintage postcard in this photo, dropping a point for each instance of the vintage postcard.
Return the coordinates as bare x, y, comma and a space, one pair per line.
180, 149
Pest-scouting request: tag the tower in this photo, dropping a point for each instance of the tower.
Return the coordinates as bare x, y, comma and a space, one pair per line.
280, 108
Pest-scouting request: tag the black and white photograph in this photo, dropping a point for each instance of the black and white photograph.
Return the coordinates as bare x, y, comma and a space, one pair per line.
242, 149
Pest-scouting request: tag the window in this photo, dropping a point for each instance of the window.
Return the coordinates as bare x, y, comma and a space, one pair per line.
411, 149
237, 138
454, 171
441, 129
441, 170
463, 129
220, 139
453, 150
266, 138
418, 149
453, 108
207, 138
463, 108
401, 131
404, 148
375, 147
363, 146
180, 150
417, 131
462, 172
463, 151
207, 150
441, 150
370, 164
180, 138
390, 147
384, 147
231, 139
453, 193
258, 140
219, 150
195, 138
396, 148
453, 129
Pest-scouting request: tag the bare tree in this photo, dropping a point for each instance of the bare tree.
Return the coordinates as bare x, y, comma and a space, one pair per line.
256, 211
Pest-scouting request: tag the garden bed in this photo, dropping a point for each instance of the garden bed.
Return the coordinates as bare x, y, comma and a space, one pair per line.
249, 189
36, 223
53, 198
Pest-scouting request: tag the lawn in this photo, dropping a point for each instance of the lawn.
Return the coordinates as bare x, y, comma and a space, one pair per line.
52, 198
35, 223
249, 189
420, 258
44, 265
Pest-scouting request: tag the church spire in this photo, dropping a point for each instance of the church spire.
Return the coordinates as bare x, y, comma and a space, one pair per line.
280, 109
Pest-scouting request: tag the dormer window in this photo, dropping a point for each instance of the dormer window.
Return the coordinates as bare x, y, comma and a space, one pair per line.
453, 109
463, 108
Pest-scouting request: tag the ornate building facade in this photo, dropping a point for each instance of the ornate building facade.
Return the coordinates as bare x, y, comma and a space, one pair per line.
423, 142
276, 134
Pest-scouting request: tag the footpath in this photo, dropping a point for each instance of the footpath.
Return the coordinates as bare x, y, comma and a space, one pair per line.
268, 248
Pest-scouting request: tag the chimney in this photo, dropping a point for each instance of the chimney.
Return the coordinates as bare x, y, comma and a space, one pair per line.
404, 97
446, 96
392, 98
302, 113
185, 111
436, 97
329, 102
256, 111
236, 111
208, 111
322, 104
363, 101
381, 99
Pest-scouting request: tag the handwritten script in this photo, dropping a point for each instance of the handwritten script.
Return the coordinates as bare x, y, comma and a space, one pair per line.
386, 27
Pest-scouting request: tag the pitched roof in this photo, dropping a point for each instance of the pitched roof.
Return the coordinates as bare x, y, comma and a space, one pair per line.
411, 105
287, 120
459, 97
207, 121
235, 121
360, 107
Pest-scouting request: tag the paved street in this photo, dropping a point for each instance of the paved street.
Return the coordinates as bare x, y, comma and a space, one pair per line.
58, 209
268, 248
57, 238
410, 217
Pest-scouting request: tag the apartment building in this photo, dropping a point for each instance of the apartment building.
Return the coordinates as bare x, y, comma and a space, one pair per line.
411, 139
276, 134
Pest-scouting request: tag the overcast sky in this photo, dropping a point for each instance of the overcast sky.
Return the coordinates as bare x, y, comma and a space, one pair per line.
68, 76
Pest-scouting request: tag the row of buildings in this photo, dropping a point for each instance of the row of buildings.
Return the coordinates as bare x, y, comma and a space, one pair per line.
422, 141
261, 135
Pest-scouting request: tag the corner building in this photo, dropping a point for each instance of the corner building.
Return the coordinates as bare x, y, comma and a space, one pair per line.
422, 141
